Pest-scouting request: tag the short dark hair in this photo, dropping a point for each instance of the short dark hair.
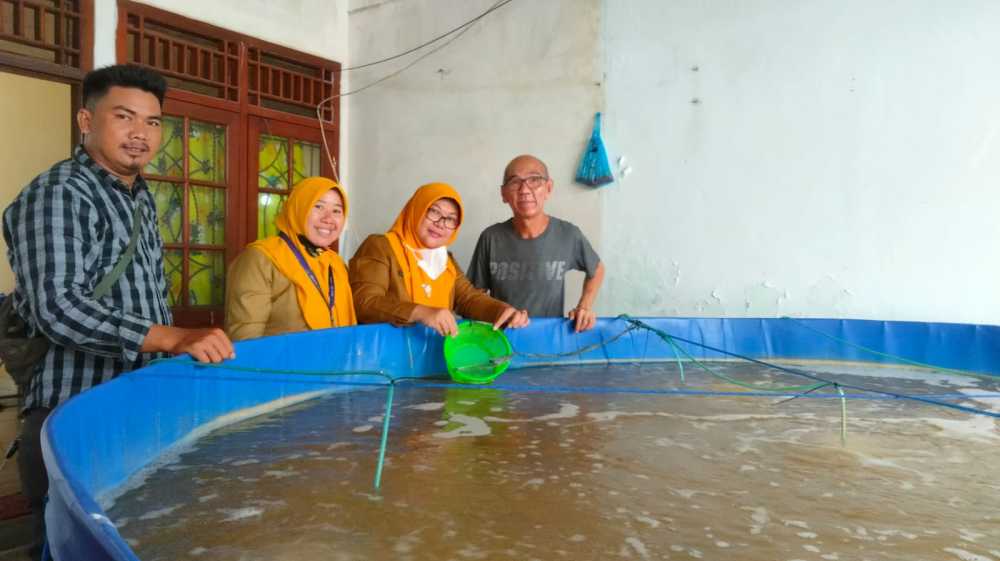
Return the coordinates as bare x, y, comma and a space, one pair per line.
97, 82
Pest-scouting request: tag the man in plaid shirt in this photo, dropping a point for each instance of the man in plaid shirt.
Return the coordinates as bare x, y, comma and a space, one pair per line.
65, 231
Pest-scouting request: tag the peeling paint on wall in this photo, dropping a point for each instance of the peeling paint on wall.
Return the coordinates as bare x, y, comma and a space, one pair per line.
762, 299
642, 285
828, 293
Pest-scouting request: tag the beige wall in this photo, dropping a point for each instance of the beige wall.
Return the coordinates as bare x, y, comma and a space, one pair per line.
36, 122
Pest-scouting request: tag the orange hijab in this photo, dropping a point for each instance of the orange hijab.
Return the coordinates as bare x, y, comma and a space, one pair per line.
292, 222
406, 247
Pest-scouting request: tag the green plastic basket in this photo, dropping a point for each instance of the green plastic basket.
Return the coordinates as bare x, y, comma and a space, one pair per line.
478, 354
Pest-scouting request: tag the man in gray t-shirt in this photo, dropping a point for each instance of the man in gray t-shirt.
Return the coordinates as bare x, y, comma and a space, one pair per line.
523, 261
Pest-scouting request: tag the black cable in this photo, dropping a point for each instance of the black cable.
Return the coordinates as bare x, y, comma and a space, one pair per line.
458, 32
434, 40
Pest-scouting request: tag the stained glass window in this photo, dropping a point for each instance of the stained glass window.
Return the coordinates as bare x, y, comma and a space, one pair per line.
207, 215
207, 280
169, 199
168, 162
207, 152
274, 179
272, 163
190, 195
268, 206
305, 159
173, 264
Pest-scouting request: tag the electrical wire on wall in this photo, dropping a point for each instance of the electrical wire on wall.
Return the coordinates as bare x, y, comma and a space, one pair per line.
454, 34
492, 9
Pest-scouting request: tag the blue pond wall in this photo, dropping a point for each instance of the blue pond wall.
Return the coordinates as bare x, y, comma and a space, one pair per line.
97, 441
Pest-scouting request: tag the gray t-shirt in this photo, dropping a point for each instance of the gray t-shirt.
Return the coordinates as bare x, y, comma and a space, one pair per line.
529, 274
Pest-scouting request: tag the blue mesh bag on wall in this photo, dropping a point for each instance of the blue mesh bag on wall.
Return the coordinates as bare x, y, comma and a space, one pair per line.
594, 169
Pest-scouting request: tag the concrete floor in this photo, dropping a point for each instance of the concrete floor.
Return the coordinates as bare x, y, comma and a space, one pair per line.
15, 532
9, 482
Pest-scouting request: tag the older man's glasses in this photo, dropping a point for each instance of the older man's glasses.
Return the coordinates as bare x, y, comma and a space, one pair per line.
438, 218
534, 182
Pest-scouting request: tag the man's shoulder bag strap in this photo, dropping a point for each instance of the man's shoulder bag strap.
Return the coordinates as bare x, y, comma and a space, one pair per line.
112, 277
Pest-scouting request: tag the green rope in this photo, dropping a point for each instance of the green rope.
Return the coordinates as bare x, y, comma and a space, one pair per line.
254, 370
680, 364
794, 397
385, 437
891, 356
633, 325
636, 324
678, 349
581, 350
384, 440
843, 416
804, 389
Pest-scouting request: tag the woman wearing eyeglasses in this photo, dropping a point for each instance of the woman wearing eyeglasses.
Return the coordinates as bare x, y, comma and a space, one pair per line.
407, 275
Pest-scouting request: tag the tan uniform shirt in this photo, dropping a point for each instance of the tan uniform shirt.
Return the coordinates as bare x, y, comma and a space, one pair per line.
380, 294
259, 299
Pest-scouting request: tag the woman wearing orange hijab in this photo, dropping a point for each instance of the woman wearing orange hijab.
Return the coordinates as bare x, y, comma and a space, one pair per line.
407, 275
293, 281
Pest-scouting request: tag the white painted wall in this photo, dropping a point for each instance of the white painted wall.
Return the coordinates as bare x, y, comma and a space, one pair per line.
525, 79
841, 160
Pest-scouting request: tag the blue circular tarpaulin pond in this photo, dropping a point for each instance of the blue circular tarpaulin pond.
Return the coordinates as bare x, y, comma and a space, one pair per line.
105, 444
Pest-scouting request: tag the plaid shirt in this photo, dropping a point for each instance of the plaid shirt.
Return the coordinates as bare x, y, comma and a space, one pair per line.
64, 232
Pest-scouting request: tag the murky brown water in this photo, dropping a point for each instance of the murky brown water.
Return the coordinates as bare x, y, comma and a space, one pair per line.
490, 474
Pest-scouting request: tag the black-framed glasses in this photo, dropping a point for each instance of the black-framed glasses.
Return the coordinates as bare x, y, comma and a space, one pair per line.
534, 182
438, 218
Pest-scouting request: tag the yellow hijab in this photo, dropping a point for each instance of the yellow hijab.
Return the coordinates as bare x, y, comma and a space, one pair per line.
292, 222
405, 244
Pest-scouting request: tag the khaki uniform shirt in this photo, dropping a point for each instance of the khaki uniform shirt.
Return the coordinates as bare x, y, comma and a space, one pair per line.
380, 294
260, 300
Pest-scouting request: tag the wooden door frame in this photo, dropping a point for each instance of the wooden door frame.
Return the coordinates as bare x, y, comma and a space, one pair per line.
255, 127
235, 240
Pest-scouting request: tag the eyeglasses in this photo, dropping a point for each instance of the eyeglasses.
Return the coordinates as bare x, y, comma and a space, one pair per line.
534, 182
439, 219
